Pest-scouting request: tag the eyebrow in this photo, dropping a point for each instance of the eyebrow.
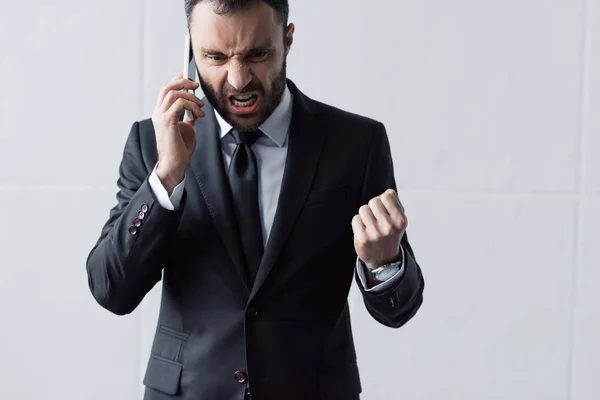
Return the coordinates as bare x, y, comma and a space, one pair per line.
260, 48
254, 49
209, 51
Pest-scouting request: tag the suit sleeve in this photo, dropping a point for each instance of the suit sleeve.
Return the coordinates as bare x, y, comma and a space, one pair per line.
398, 304
128, 258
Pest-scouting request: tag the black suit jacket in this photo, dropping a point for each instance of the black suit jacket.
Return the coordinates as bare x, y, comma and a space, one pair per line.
288, 333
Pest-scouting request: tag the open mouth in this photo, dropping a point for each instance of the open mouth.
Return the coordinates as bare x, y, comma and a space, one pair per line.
246, 100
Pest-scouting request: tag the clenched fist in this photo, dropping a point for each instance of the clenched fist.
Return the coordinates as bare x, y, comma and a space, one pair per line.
378, 229
175, 140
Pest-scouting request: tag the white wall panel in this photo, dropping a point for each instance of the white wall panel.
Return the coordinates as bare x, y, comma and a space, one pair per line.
591, 138
586, 362
492, 113
496, 313
56, 341
70, 78
476, 95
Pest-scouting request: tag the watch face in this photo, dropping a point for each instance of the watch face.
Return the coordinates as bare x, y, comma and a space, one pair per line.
386, 273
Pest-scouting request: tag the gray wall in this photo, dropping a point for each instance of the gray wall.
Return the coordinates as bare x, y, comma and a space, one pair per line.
492, 111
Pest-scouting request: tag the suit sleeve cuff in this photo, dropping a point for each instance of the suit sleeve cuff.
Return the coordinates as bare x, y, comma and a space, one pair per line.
168, 202
383, 286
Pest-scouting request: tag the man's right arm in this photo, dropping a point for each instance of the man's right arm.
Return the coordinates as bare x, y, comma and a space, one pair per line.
170, 202
134, 244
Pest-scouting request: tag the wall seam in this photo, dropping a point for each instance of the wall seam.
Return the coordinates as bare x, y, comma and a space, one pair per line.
587, 11
141, 96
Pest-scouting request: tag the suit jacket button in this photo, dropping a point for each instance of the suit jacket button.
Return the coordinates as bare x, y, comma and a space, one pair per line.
240, 376
133, 230
141, 215
252, 312
144, 208
137, 222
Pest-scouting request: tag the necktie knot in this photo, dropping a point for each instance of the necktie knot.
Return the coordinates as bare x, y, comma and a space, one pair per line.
247, 138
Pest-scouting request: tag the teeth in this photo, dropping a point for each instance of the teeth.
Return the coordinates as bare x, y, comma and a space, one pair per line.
243, 97
247, 103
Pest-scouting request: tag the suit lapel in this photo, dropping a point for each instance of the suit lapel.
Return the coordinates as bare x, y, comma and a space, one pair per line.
305, 142
208, 166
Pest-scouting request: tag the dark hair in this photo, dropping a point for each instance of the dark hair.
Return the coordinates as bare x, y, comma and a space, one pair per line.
224, 7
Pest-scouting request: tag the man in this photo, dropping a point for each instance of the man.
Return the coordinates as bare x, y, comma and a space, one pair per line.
256, 214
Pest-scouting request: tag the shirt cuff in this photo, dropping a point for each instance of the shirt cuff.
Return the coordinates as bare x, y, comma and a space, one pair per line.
383, 286
170, 203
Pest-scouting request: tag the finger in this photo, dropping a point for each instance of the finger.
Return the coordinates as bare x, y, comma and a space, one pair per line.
174, 95
368, 219
182, 104
359, 229
378, 209
394, 209
357, 224
180, 84
165, 89
177, 84
384, 220
391, 201
392, 194
178, 76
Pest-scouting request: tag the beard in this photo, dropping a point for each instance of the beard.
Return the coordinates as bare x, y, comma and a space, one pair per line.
247, 123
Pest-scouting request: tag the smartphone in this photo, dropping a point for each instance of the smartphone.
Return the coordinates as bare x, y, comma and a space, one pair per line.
189, 68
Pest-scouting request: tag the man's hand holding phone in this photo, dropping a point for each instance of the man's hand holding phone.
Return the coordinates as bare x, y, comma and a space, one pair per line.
175, 139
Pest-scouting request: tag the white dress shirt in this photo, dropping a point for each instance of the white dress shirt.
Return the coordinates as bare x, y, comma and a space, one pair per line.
271, 152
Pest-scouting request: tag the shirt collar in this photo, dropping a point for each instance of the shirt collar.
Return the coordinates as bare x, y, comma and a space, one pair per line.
275, 127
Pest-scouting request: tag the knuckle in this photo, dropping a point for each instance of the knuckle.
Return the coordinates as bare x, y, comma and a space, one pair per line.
360, 240
169, 116
401, 223
170, 96
364, 209
387, 229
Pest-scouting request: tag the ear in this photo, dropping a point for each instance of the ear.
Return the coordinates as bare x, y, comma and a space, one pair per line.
289, 38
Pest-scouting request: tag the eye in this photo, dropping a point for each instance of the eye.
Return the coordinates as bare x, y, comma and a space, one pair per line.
259, 55
215, 57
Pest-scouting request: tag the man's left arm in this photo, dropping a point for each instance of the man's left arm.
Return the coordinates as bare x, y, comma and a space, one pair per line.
380, 240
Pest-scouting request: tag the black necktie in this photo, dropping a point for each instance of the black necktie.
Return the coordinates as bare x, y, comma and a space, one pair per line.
243, 180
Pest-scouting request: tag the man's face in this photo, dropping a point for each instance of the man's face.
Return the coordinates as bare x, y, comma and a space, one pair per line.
241, 60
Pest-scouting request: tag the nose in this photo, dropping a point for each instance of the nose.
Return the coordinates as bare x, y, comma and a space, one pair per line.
239, 75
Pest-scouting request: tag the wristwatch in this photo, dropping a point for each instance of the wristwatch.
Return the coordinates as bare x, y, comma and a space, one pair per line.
386, 271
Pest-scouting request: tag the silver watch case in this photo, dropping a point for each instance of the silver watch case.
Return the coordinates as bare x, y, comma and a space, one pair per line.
386, 271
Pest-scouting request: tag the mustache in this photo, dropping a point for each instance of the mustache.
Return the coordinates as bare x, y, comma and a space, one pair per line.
231, 91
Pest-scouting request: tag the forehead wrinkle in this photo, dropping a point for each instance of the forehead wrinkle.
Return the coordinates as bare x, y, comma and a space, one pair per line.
240, 40
231, 35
